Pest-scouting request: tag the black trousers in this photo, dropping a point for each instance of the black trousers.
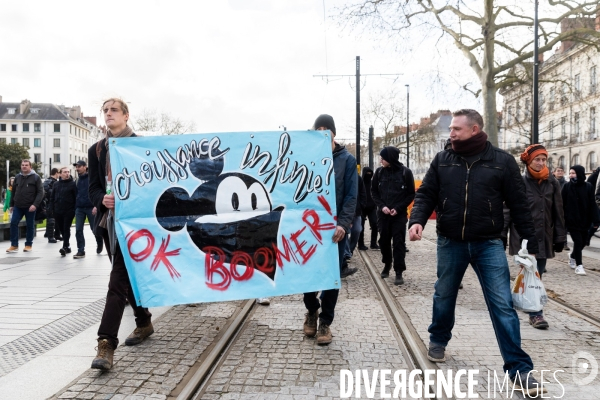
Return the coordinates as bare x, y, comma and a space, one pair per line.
52, 229
371, 214
579, 237
392, 228
119, 289
64, 222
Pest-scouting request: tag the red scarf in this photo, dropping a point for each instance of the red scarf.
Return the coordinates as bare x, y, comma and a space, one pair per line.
540, 176
472, 146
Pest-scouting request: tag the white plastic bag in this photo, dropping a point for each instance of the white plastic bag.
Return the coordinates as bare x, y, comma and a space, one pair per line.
528, 292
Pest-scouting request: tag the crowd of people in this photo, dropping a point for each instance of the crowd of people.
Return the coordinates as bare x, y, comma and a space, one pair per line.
483, 205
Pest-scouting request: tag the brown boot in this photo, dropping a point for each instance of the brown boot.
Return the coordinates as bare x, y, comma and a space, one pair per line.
104, 357
310, 323
324, 334
139, 334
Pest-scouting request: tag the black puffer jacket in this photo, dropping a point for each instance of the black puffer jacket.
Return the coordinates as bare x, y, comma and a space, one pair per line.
64, 195
469, 200
367, 176
393, 187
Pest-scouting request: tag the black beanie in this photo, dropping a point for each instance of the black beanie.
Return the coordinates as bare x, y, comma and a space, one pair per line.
391, 154
326, 121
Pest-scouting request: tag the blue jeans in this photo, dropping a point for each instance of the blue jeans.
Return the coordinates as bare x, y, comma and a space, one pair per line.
328, 297
488, 259
80, 214
17, 215
354, 235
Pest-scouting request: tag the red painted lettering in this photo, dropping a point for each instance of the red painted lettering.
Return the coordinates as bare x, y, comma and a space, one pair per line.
288, 255
132, 237
213, 267
305, 255
162, 256
262, 259
244, 259
311, 218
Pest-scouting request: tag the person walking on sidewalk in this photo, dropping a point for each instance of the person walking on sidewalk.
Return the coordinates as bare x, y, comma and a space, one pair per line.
467, 185
84, 208
27, 194
116, 115
356, 229
581, 212
346, 193
393, 189
370, 212
52, 229
62, 206
545, 203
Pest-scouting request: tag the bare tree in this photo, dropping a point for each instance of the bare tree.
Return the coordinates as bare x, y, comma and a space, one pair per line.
152, 121
383, 111
494, 36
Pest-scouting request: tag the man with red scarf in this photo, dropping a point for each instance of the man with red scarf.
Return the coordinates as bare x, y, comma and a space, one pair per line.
467, 185
546, 205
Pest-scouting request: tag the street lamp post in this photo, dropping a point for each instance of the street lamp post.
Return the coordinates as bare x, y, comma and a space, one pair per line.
407, 127
536, 62
371, 147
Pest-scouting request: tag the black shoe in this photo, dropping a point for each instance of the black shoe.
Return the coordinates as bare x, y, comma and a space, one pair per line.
436, 353
99, 248
80, 254
363, 247
58, 237
64, 251
347, 272
406, 250
386, 271
375, 247
399, 280
460, 286
52, 240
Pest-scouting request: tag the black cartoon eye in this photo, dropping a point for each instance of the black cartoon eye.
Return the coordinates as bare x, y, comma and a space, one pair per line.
254, 201
235, 201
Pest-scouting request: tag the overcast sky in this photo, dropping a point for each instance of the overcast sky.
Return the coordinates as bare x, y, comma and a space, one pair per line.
237, 65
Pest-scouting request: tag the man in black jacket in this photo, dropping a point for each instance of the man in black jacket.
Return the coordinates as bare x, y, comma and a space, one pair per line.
369, 212
116, 115
467, 185
393, 189
52, 229
27, 194
84, 208
62, 206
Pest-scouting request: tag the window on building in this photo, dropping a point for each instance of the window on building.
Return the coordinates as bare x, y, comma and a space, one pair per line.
13, 127
577, 86
37, 127
509, 116
56, 142
25, 126
25, 142
518, 112
37, 142
14, 141
563, 93
552, 98
563, 127
2, 127
3, 140
575, 160
592, 161
593, 79
57, 128
576, 126
542, 103
550, 163
37, 158
11, 110
593, 121
35, 110
56, 157
551, 130
561, 162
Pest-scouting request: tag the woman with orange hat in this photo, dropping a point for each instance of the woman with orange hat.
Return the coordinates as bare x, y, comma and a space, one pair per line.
545, 202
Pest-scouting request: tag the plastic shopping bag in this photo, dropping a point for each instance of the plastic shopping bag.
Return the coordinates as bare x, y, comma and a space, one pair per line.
528, 291
5, 217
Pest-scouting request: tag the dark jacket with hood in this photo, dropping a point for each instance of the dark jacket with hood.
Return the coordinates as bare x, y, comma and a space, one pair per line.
27, 190
393, 187
367, 177
362, 197
64, 195
469, 199
545, 203
346, 186
579, 203
83, 197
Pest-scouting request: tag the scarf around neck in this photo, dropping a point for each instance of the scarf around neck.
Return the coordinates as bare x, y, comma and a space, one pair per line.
472, 146
539, 176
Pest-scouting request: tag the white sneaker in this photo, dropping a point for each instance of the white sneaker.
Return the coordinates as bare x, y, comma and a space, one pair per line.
572, 263
579, 270
265, 301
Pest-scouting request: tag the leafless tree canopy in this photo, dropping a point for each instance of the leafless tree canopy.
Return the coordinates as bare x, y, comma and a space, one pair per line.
494, 36
165, 123
383, 111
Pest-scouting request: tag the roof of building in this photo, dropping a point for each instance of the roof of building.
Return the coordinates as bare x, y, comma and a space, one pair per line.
46, 112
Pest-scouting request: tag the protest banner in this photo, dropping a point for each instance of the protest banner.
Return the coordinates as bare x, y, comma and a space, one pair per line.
225, 216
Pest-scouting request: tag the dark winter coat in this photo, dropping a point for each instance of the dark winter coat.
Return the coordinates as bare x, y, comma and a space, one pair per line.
27, 191
362, 198
83, 197
64, 195
346, 186
393, 187
469, 199
367, 177
579, 203
545, 203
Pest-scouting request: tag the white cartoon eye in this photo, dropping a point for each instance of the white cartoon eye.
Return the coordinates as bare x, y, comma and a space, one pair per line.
236, 201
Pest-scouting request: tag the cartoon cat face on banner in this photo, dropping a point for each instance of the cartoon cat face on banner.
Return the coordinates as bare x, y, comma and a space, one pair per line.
231, 212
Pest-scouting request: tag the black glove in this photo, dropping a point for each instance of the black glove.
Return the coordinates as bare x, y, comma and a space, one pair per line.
504, 242
558, 247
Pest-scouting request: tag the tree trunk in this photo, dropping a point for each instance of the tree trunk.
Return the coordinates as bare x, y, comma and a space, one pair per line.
488, 85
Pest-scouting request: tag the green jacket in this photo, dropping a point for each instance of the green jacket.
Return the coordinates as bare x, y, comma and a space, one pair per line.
7, 200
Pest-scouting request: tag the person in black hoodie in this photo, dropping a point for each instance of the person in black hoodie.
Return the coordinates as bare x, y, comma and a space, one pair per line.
393, 189
369, 211
62, 206
52, 229
581, 212
84, 208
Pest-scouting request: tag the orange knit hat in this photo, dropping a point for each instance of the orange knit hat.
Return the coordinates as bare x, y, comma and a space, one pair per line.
532, 152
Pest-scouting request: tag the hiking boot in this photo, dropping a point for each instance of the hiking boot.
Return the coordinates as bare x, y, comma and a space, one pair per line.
579, 270
363, 247
104, 357
347, 272
27, 248
80, 254
538, 322
436, 352
529, 385
12, 249
399, 279
572, 263
265, 301
139, 334
52, 240
323, 334
310, 323
386, 271
375, 247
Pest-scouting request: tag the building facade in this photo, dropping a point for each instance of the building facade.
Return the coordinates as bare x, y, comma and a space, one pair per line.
55, 135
